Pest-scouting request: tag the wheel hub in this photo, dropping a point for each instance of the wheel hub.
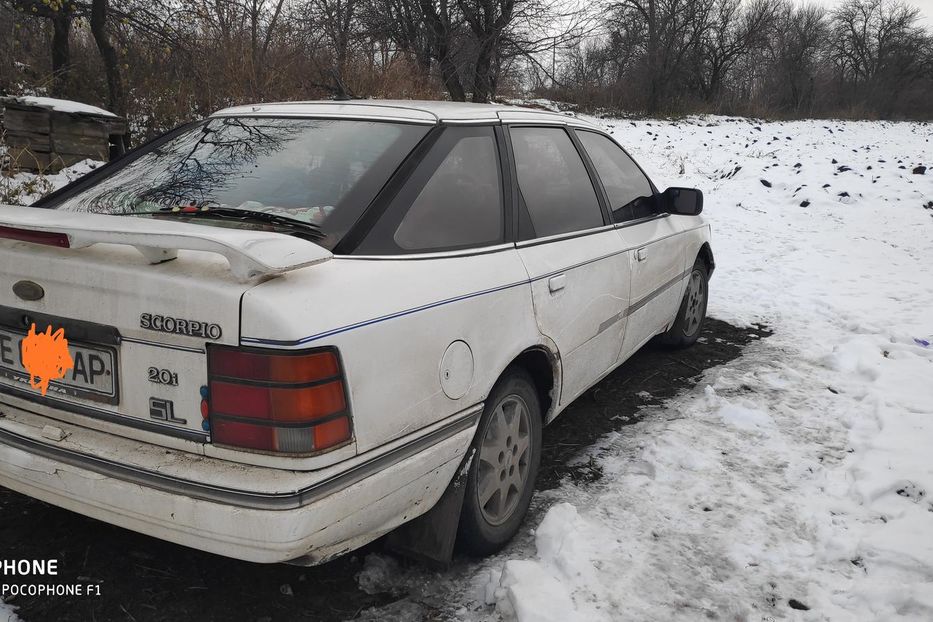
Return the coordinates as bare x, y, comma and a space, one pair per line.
696, 303
504, 460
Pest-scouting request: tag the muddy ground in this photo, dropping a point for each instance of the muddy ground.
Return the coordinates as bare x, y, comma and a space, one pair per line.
142, 578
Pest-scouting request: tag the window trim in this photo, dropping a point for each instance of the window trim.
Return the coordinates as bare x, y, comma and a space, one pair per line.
509, 182
465, 252
594, 181
641, 221
560, 237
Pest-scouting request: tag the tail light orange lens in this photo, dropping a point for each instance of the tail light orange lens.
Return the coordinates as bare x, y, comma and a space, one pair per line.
302, 367
282, 402
332, 433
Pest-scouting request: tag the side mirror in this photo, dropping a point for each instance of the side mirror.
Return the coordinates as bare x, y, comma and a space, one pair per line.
683, 201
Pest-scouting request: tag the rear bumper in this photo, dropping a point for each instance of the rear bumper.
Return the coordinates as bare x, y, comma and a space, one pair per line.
314, 517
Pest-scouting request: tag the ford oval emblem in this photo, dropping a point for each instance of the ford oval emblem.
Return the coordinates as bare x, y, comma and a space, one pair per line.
27, 290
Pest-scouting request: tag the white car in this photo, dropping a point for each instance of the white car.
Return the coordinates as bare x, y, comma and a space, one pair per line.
293, 327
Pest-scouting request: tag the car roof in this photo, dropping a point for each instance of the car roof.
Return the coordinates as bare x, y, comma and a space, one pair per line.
412, 111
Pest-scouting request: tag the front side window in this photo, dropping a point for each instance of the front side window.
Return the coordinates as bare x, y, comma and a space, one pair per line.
630, 192
452, 201
320, 171
554, 186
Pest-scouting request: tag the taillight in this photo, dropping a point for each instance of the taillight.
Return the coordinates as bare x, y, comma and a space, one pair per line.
36, 237
277, 401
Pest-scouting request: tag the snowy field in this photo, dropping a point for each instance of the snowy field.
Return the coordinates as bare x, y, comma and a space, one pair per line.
797, 481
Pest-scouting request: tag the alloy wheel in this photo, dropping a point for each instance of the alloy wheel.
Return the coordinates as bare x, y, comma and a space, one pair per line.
696, 303
504, 460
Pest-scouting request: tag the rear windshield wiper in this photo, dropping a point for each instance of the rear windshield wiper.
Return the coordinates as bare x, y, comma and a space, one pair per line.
298, 228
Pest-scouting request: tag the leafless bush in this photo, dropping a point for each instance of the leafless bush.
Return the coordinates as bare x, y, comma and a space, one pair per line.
865, 59
164, 62
17, 189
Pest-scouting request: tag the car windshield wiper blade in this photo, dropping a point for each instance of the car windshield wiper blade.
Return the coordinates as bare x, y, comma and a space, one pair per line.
300, 228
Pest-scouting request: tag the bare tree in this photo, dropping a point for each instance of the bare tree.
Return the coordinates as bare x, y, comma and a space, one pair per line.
338, 29
879, 47
442, 21
168, 61
401, 22
488, 20
735, 30
796, 54
60, 14
671, 31
108, 54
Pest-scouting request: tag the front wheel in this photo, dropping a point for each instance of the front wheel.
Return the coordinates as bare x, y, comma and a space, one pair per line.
504, 466
689, 321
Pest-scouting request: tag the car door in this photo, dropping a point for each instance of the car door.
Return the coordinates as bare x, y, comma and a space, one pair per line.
658, 255
578, 270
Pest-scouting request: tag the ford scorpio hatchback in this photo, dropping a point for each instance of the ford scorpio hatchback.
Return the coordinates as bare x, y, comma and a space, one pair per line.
294, 328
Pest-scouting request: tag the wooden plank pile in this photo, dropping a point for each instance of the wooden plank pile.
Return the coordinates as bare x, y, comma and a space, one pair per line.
43, 139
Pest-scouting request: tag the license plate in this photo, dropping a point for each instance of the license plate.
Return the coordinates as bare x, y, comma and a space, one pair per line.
94, 375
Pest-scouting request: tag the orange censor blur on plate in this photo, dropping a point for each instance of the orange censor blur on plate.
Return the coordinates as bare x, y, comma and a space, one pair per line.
45, 357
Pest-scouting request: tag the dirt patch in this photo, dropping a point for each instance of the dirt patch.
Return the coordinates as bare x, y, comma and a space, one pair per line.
142, 578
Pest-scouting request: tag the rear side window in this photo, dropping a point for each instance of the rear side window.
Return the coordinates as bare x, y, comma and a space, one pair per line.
555, 188
630, 192
452, 201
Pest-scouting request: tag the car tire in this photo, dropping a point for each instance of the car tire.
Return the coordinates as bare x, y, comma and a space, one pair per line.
688, 324
505, 456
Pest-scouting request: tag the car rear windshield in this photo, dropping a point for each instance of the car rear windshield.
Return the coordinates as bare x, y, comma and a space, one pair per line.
322, 171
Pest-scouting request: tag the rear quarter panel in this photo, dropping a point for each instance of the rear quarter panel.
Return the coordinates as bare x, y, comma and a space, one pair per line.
392, 321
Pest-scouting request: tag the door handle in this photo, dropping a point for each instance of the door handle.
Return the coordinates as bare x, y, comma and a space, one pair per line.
557, 283
641, 254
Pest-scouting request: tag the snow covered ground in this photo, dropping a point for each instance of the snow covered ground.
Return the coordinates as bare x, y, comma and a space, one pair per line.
27, 188
797, 481
7, 613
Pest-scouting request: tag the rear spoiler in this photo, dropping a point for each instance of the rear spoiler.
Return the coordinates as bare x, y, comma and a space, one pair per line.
251, 254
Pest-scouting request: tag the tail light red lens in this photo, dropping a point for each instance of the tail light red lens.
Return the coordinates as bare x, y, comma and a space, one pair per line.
275, 401
277, 404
